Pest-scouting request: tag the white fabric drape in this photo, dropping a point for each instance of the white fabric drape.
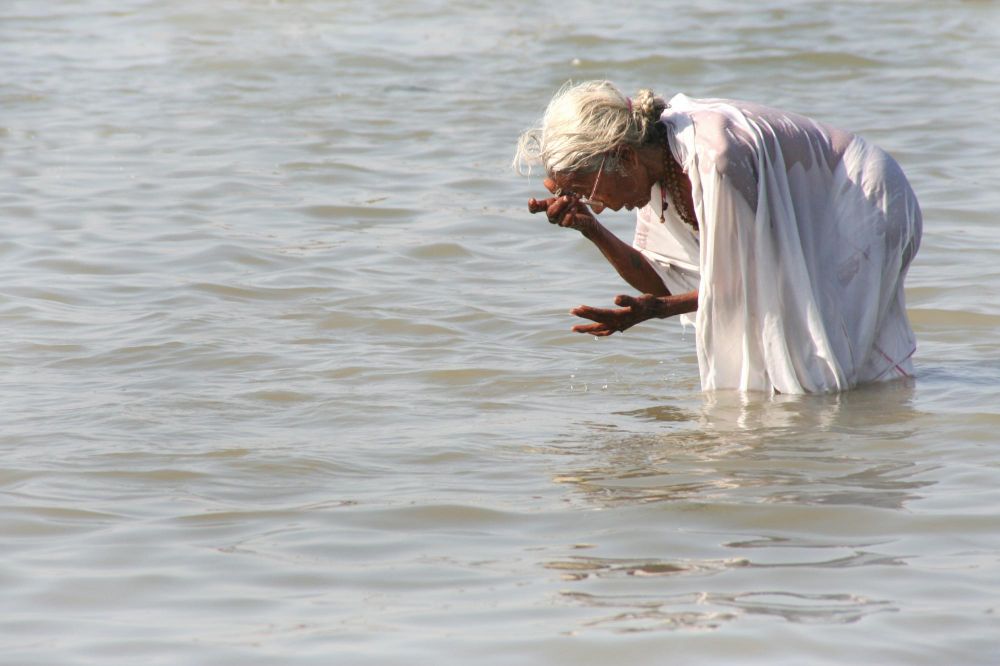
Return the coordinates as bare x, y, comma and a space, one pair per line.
805, 236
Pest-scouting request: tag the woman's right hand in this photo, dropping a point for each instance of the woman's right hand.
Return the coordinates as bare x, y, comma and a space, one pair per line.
565, 210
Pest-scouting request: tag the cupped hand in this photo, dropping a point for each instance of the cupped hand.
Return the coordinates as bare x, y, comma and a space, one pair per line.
631, 311
565, 210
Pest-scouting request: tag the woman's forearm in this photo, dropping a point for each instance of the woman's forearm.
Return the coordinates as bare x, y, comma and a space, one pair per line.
671, 306
628, 261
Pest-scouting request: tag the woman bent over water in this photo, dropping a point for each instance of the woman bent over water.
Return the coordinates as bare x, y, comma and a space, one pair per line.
788, 239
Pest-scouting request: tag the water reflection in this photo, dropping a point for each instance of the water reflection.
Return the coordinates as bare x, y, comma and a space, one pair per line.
745, 505
841, 449
638, 613
581, 568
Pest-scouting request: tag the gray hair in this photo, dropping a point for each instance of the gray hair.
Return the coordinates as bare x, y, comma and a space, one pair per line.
586, 123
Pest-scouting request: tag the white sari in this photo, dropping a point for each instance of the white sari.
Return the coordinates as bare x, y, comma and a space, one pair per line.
805, 236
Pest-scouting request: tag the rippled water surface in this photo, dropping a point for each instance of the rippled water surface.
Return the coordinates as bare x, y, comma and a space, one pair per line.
287, 376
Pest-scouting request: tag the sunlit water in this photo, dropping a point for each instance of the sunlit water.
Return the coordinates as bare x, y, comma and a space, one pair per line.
287, 374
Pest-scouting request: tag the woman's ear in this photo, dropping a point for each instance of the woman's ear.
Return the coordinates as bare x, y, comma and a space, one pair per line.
628, 156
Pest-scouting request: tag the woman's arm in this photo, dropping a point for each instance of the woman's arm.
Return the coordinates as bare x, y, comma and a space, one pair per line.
631, 265
634, 309
656, 301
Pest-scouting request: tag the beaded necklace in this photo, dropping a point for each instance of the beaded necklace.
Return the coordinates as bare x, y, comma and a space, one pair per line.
672, 179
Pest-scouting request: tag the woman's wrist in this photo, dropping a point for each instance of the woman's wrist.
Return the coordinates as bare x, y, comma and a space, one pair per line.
591, 230
661, 307
676, 304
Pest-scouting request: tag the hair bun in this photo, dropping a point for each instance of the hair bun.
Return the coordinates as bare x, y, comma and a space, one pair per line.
645, 104
647, 108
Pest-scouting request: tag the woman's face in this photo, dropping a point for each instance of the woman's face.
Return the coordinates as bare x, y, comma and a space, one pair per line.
607, 188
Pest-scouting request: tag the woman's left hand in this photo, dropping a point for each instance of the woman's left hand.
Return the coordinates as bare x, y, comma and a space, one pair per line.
633, 309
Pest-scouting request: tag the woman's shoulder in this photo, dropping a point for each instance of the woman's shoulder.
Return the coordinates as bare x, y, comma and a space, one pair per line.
729, 129
716, 129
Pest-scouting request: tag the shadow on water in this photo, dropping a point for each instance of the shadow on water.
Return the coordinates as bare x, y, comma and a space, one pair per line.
746, 506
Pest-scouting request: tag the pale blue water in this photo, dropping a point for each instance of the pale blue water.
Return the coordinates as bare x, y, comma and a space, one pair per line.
287, 374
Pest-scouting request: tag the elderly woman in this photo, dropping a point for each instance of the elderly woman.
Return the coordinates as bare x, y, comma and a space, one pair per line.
788, 238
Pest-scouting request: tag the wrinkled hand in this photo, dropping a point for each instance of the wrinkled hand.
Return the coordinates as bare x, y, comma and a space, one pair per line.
633, 309
565, 210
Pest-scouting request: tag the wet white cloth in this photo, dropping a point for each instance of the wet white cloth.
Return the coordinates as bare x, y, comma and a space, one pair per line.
805, 236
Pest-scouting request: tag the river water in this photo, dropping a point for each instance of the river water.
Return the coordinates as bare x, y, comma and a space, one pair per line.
287, 375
